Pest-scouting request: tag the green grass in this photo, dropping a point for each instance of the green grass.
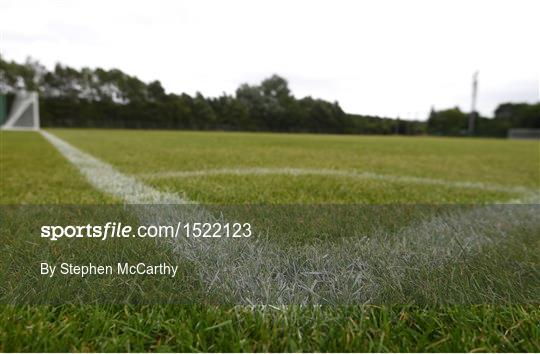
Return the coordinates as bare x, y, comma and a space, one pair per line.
485, 299
507, 163
207, 328
281, 189
454, 159
33, 172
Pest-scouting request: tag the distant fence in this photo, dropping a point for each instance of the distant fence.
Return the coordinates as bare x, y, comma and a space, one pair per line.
520, 133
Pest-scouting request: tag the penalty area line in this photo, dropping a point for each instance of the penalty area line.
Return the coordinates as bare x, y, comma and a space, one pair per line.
291, 171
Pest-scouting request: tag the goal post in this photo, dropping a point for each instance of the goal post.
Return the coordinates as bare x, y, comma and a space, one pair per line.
24, 112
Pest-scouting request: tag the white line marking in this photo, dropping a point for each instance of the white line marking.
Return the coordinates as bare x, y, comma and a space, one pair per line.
106, 178
339, 173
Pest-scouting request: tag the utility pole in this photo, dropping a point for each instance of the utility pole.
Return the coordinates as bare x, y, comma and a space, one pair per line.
472, 115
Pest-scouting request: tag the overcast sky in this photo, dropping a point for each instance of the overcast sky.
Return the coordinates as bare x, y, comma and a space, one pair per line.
373, 57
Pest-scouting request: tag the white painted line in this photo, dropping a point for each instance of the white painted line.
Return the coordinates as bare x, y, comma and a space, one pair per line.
106, 178
340, 173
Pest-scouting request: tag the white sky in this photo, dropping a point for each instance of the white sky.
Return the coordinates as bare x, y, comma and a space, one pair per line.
374, 57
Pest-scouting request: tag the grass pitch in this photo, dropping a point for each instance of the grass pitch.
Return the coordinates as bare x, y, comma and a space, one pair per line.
33, 172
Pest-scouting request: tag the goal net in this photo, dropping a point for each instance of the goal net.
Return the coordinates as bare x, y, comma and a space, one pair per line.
521, 133
24, 112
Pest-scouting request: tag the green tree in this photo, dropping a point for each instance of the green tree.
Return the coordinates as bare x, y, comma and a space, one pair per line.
447, 122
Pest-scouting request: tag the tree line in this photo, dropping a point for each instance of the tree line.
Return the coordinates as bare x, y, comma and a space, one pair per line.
113, 99
454, 122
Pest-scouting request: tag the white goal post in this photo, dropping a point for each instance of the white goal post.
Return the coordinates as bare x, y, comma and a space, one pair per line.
24, 112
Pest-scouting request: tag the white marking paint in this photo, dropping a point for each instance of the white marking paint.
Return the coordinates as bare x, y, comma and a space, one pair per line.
106, 178
339, 173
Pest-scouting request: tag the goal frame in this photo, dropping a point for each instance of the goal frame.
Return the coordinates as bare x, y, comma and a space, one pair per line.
24, 101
